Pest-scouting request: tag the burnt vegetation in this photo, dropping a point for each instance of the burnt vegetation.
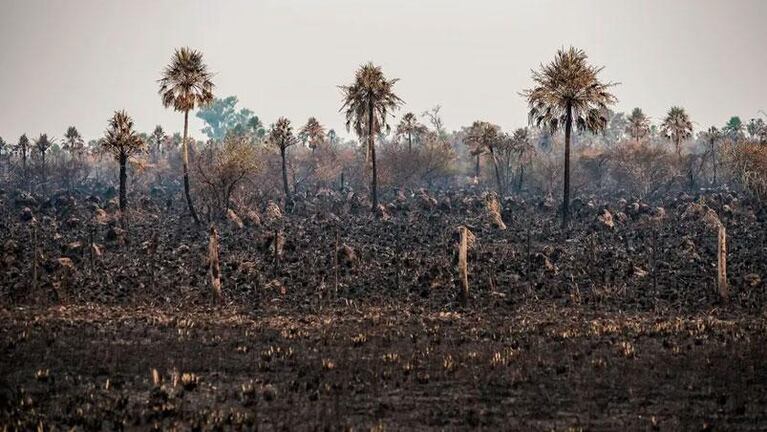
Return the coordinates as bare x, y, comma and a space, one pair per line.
590, 269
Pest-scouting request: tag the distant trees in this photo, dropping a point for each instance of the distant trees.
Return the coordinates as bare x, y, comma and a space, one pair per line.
525, 151
122, 142
221, 167
73, 142
734, 129
222, 117
638, 125
281, 136
568, 92
487, 137
712, 135
677, 127
757, 130
409, 127
312, 134
367, 103
185, 85
43, 144
157, 140
22, 149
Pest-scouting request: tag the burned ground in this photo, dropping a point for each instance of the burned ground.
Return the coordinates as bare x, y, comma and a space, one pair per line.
333, 319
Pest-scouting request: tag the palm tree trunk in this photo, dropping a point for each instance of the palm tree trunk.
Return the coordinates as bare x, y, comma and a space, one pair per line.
284, 174
476, 169
185, 149
409, 142
497, 174
123, 180
566, 195
521, 177
371, 146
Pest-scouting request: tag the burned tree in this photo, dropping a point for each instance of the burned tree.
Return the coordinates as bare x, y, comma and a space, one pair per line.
281, 136
677, 127
410, 127
185, 85
568, 92
121, 140
367, 103
484, 137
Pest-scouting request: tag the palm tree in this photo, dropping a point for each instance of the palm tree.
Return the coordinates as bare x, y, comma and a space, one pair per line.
367, 102
734, 128
410, 127
638, 125
677, 127
567, 91
313, 134
22, 148
42, 144
487, 137
186, 84
525, 151
158, 138
73, 142
712, 135
122, 142
281, 136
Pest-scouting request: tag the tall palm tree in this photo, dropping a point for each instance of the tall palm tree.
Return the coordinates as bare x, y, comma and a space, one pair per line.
122, 141
712, 135
567, 91
410, 127
281, 136
488, 137
42, 144
734, 128
313, 134
185, 85
367, 102
638, 125
22, 148
677, 127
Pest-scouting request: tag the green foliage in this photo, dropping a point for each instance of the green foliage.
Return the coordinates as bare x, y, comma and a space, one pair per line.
222, 117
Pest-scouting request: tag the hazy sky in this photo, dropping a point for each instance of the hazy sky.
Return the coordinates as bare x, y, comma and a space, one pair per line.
74, 62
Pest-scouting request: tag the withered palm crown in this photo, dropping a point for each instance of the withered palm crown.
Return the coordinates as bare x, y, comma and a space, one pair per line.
638, 125
186, 82
569, 81
371, 91
120, 138
677, 126
313, 133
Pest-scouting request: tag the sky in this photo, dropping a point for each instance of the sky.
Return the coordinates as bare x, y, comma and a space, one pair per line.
74, 62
